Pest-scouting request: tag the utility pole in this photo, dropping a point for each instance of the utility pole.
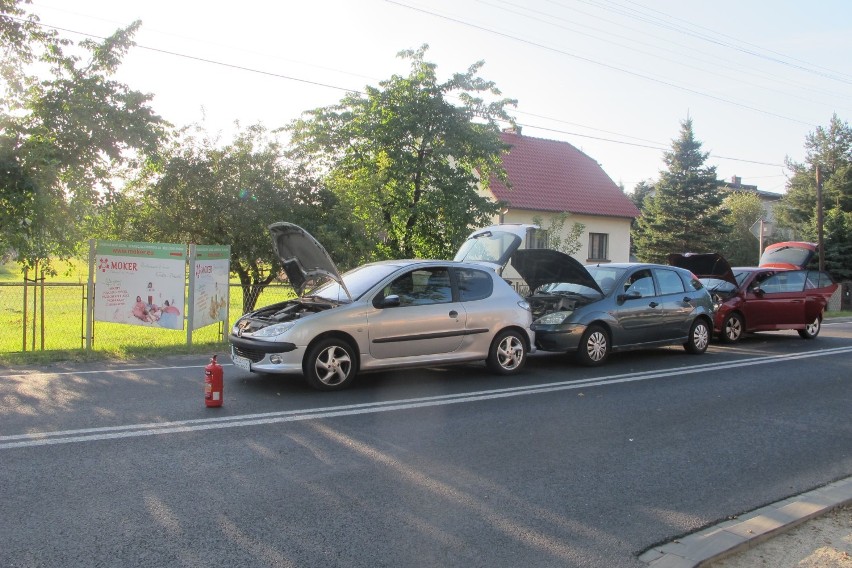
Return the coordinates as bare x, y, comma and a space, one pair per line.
820, 243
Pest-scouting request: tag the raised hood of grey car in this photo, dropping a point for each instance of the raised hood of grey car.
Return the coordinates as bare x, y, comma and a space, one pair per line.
704, 265
545, 266
304, 259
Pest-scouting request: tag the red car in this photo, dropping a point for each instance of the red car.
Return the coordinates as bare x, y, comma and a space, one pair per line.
781, 293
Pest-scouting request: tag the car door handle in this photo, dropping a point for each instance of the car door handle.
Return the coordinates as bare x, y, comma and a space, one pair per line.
687, 299
653, 304
454, 314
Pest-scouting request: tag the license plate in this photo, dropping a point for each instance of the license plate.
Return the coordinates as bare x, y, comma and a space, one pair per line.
241, 362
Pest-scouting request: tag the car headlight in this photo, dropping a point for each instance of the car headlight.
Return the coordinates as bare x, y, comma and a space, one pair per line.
524, 305
553, 318
273, 330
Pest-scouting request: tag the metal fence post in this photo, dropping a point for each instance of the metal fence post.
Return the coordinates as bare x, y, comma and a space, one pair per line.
90, 296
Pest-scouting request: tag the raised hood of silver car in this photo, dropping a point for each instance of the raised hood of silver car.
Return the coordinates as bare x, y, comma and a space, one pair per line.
303, 258
704, 265
545, 266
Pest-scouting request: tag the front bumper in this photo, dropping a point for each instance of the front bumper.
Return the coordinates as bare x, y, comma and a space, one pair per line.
266, 356
558, 337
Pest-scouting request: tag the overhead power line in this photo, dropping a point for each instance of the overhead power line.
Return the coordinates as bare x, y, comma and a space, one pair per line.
598, 63
651, 144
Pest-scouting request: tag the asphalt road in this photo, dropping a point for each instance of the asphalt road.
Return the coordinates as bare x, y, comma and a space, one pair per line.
561, 466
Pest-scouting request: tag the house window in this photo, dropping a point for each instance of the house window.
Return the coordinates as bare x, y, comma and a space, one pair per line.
598, 246
537, 239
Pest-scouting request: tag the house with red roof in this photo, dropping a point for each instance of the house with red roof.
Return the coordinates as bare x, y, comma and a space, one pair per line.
549, 177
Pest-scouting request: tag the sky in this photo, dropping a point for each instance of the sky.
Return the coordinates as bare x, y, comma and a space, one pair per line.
615, 78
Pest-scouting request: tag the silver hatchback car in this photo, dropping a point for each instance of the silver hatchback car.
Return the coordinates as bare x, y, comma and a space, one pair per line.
383, 315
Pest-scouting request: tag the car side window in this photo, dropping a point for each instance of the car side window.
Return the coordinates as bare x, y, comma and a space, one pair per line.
422, 286
784, 282
640, 281
669, 281
817, 279
474, 284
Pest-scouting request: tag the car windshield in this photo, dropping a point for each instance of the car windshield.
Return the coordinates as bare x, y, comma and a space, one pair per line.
741, 276
718, 285
604, 276
358, 281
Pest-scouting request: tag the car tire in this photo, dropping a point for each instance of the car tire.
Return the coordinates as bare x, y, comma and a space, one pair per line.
811, 330
330, 365
508, 353
594, 346
699, 337
733, 328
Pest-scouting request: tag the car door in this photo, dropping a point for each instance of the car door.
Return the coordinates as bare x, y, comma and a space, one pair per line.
640, 318
676, 307
778, 302
819, 287
426, 320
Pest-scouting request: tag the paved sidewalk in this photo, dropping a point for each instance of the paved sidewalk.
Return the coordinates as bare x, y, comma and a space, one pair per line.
748, 530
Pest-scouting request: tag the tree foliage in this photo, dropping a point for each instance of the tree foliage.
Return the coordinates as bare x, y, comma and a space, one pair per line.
557, 238
685, 212
829, 149
406, 160
63, 138
206, 192
742, 210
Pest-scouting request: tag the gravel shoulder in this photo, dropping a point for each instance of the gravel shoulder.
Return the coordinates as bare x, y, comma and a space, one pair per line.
822, 542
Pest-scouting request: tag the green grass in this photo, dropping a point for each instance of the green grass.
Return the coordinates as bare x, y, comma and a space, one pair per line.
64, 321
840, 314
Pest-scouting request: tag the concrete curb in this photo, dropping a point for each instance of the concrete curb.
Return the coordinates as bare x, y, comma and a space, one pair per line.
748, 530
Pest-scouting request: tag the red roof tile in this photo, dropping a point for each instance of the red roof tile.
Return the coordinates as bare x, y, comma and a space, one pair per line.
548, 175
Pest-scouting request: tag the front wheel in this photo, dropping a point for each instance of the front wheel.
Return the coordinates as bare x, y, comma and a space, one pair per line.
330, 365
811, 330
594, 347
699, 338
508, 353
732, 329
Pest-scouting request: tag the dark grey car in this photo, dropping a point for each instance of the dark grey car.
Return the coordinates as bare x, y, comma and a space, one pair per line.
595, 310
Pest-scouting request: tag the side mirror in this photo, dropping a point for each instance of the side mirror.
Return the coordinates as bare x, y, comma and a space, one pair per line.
758, 291
391, 301
631, 295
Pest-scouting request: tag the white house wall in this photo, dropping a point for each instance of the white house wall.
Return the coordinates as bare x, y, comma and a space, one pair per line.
617, 229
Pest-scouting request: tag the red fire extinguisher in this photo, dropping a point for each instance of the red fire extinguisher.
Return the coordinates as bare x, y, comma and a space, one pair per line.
213, 384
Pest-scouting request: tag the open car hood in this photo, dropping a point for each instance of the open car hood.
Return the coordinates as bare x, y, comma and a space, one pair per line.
304, 259
704, 265
790, 254
494, 245
545, 266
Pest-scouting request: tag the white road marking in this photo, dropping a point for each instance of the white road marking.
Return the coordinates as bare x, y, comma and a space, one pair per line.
150, 429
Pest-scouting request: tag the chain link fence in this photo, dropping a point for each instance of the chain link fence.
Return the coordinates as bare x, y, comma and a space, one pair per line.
40, 316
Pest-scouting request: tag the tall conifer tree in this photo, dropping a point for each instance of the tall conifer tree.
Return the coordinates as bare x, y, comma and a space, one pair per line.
685, 212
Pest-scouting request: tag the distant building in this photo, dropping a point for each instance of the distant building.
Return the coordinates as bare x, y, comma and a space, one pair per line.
549, 177
767, 198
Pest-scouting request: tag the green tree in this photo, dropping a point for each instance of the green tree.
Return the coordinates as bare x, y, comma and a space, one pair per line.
407, 161
829, 149
743, 209
685, 213
209, 193
838, 243
64, 138
557, 239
